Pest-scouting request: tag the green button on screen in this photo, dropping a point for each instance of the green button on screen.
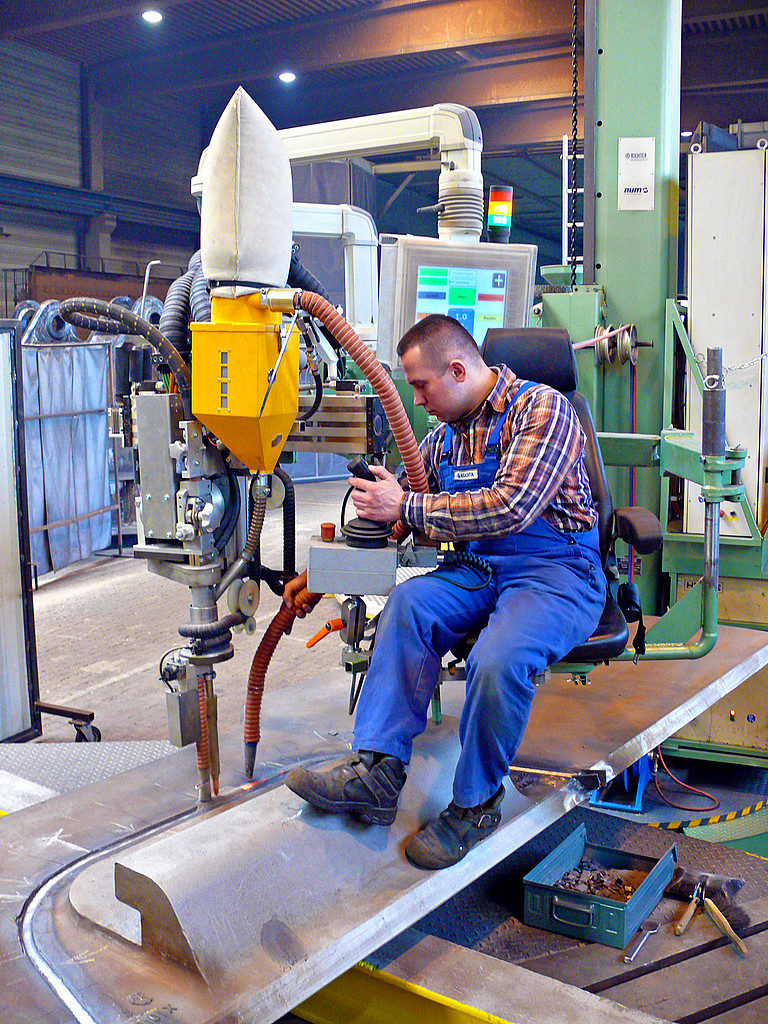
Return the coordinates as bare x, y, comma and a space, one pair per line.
461, 296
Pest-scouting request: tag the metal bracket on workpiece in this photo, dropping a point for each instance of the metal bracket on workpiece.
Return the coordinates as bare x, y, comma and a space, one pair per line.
587, 778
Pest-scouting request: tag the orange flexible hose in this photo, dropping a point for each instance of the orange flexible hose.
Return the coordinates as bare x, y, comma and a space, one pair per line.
203, 752
280, 624
354, 346
351, 342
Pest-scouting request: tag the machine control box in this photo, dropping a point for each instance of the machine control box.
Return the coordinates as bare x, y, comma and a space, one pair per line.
336, 568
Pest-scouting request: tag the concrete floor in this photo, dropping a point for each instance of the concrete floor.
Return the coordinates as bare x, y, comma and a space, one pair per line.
102, 626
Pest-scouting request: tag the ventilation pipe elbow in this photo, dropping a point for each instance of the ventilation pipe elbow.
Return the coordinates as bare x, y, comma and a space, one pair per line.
460, 186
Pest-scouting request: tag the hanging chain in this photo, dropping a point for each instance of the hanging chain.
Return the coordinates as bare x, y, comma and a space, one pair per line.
574, 127
701, 359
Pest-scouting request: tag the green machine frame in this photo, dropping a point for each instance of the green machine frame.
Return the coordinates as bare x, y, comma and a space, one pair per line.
629, 276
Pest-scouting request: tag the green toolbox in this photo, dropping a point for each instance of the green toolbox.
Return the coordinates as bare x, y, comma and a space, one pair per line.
585, 915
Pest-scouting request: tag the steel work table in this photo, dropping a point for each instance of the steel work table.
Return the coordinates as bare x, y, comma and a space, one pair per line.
273, 899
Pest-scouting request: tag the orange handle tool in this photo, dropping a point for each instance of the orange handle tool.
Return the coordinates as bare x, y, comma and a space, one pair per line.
332, 626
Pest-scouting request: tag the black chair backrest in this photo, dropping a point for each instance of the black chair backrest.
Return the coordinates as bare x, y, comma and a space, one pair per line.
546, 355
542, 354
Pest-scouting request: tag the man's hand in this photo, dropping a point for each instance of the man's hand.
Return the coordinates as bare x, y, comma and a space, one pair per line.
380, 500
292, 588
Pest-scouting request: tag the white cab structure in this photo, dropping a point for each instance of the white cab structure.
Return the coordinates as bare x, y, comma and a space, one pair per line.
728, 307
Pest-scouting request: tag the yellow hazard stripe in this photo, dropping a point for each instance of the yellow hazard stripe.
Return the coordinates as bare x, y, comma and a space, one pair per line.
696, 822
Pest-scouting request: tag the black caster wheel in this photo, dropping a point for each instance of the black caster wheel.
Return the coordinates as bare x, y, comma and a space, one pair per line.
87, 733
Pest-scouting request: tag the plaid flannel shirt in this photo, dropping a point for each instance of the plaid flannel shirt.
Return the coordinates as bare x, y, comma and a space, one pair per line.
541, 469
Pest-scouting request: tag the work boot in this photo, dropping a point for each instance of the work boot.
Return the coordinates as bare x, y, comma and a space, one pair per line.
366, 784
449, 839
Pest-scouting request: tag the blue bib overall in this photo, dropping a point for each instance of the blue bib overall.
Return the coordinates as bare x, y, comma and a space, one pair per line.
546, 596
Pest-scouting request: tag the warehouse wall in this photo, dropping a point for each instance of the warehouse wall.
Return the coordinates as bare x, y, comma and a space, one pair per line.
39, 115
40, 141
150, 153
25, 235
173, 258
151, 150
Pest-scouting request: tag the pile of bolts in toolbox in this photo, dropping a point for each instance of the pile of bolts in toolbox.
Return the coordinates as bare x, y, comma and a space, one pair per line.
597, 880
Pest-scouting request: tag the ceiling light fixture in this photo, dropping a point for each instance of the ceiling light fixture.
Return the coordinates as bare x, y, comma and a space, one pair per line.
287, 77
685, 135
152, 17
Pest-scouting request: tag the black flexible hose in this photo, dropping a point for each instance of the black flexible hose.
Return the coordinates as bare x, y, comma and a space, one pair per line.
317, 399
300, 277
289, 523
108, 318
199, 299
344, 504
175, 315
211, 630
227, 526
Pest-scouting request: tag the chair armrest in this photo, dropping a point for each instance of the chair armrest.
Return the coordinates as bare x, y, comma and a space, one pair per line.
639, 528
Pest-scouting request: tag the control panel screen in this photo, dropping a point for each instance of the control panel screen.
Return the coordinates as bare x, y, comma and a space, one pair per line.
475, 296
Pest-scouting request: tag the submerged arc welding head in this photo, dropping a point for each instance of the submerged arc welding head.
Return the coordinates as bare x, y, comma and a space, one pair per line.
246, 217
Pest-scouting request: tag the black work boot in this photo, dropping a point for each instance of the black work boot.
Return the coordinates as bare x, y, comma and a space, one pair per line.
447, 840
366, 784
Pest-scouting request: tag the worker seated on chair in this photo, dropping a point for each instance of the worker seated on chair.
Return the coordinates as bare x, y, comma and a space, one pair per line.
506, 473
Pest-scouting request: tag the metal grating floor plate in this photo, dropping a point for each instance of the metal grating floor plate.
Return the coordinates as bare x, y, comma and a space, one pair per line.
62, 767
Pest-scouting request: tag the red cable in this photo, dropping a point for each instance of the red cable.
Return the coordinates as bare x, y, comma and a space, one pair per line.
683, 785
633, 429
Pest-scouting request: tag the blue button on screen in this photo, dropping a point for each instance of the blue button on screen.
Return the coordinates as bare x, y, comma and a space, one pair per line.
466, 317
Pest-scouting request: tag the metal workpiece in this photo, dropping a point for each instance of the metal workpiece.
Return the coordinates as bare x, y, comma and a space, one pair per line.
293, 895
335, 568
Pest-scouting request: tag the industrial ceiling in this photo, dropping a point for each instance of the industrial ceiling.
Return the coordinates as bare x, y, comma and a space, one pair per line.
510, 60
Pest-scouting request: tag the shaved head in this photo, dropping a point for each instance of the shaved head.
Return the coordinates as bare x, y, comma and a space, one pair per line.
440, 338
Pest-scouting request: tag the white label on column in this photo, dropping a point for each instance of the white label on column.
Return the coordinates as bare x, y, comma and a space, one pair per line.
637, 158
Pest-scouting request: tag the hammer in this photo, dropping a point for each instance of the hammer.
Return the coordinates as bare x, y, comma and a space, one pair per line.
704, 889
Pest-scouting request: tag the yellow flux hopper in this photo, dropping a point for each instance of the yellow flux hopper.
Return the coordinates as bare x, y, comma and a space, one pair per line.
232, 358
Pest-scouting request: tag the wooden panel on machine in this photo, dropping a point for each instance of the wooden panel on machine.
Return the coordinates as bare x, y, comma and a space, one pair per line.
346, 423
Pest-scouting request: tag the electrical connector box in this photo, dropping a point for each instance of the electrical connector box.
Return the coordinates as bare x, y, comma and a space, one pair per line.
336, 568
183, 717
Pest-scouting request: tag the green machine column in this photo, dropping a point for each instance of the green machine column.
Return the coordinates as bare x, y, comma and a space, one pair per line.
637, 95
